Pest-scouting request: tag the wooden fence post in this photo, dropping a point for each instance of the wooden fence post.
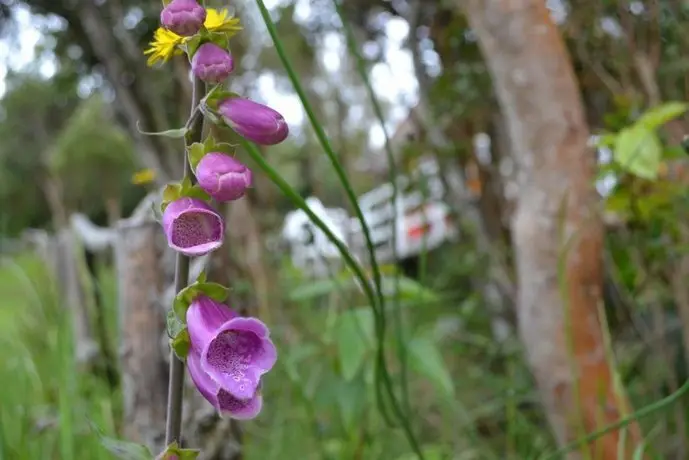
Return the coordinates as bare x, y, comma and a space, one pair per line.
60, 254
138, 254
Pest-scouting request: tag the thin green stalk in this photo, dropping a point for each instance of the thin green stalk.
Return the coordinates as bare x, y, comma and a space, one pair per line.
173, 424
377, 301
323, 140
569, 334
636, 416
392, 178
382, 372
299, 202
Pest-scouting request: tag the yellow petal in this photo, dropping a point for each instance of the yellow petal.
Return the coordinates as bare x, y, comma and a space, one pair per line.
163, 46
221, 21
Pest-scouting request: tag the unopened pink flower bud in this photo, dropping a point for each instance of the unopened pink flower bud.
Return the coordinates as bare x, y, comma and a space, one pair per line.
183, 17
211, 63
223, 177
253, 121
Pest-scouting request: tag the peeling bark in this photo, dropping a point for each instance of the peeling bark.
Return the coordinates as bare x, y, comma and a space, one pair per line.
555, 217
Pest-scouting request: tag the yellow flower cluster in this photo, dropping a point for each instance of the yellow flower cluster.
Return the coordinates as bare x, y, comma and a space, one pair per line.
166, 44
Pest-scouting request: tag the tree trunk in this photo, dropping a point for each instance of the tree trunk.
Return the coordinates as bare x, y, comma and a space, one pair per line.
555, 216
137, 103
138, 255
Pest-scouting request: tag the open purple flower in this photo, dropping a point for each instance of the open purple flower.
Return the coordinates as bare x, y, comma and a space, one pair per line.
223, 177
183, 17
211, 63
253, 121
224, 402
192, 226
234, 352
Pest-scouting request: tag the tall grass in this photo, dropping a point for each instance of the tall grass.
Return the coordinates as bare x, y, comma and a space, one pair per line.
47, 402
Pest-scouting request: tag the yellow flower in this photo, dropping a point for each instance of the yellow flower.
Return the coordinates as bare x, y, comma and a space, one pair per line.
221, 21
166, 44
144, 176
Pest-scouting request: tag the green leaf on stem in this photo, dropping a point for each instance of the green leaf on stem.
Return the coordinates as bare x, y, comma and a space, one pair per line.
181, 343
195, 152
186, 184
216, 96
173, 324
657, 116
226, 148
215, 291
183, 300
209, 143
121, 449
219, 38
202, 277
638, 150
192, 191
178, 133
197, 192
212, 145
186, 296
171, 192
126, 450
174, 452
193, 44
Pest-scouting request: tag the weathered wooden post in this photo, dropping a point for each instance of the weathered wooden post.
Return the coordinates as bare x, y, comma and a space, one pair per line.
60, 254
138, 255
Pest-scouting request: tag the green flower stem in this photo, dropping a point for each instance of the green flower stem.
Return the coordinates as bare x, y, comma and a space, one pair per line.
173, 424
377, 299
299, 202
325, 143
392, 177
638, 415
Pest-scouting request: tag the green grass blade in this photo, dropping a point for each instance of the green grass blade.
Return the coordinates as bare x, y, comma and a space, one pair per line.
662, 404
299, 202
323, 140
392, 178
378, 302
